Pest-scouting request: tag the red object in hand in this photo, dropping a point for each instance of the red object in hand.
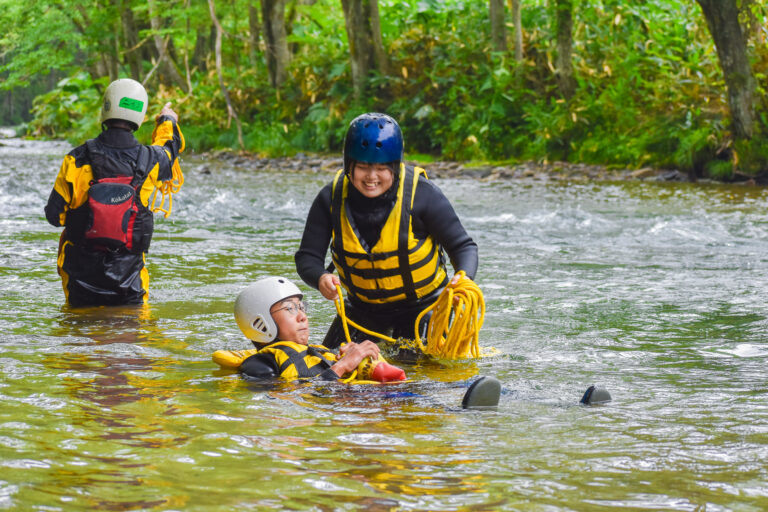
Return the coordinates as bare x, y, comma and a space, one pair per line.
385, 372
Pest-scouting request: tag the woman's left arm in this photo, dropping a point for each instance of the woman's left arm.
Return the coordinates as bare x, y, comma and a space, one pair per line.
433, 213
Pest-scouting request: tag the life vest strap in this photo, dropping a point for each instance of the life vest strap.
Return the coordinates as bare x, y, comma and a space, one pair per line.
296, 359
404, 232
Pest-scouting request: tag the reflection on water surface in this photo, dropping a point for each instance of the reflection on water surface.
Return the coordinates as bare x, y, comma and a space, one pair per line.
657, 291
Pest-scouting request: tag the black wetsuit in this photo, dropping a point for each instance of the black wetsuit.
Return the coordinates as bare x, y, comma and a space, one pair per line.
432, 214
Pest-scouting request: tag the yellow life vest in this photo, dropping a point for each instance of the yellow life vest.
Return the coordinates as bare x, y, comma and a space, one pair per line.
297, 361
400, 267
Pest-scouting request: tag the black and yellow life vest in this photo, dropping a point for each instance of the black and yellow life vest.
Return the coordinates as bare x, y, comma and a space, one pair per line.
297, 361
400, 267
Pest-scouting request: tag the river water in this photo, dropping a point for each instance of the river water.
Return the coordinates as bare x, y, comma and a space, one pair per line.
657, 291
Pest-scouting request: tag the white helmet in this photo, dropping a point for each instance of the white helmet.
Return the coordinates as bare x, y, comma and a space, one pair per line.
125, 99
252, 307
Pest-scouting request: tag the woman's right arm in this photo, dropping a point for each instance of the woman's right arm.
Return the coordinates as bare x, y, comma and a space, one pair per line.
310, 258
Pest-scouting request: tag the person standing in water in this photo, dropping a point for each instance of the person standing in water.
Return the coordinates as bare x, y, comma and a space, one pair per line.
101, 196
387, 226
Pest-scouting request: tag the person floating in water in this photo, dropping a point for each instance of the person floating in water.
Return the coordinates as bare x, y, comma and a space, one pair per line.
101, 196
272, 314
387, 226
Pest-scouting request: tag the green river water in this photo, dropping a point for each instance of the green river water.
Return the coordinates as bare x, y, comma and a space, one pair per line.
657, 291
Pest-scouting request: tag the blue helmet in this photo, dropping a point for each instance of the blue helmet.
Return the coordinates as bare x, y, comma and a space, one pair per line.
373, 138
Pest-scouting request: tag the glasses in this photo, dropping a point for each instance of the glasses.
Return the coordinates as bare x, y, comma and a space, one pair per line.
292, 308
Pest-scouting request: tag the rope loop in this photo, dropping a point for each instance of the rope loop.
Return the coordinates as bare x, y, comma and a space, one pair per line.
453, 331
167, 189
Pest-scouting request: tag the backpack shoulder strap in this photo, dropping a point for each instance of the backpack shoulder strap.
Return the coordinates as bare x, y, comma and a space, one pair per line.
96, 157
142, 166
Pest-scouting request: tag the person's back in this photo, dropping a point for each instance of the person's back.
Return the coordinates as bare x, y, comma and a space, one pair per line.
102, 197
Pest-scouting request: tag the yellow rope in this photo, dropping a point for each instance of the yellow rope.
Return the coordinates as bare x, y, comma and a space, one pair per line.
345, 322
167, 189
339, 302
452, 332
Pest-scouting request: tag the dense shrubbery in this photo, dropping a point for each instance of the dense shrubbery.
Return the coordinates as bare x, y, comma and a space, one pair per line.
649, 90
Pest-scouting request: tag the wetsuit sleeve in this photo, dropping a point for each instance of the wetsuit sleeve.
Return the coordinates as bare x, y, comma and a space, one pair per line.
70, 190
167, 135
60, 196
260, 366
433, 213
310, 258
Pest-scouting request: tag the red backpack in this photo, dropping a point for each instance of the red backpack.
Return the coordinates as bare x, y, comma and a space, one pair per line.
113, 203
113, 217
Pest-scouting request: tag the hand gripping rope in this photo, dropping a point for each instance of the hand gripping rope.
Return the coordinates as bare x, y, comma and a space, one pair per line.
167, 189
454, 328
367, 366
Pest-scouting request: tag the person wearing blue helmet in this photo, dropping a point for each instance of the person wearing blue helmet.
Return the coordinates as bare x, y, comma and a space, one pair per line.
388, 228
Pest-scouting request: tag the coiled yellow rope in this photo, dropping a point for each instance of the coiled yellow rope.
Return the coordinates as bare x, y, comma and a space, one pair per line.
167, 189
454, 328
457, 316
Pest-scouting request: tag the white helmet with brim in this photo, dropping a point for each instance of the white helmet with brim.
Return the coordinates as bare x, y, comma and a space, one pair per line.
125, 99
253, 303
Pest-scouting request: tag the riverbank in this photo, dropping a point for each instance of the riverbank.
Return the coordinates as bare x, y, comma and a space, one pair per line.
535, 171
301, 162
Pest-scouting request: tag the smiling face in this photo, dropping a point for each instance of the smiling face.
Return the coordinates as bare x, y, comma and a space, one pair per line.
291, 319
371, 180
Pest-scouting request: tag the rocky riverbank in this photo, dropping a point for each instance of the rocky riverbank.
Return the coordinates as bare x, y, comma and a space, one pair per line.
531, 170
535, 171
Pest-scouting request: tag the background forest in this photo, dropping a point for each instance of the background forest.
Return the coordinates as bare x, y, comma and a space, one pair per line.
663, 83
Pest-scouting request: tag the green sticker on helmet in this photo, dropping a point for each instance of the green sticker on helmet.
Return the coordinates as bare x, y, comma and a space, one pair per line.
131, 104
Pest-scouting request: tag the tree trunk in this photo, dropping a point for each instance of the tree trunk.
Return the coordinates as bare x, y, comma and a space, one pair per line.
514, 6
164, 61
361, 18
382, 60
187, 70
278, 56
113, 57
231, 112
563, 66
498, 27
131, 39
254, 29
202, 49
723, 22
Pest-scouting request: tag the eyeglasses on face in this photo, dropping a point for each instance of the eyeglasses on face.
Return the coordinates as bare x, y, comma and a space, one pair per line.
292, 308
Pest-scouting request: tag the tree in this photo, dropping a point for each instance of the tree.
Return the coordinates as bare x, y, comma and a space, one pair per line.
131, 41
514, 6
164, 60
231, 112
278, 56
564, 67
498, 27
254, 29
723, 23
366, 48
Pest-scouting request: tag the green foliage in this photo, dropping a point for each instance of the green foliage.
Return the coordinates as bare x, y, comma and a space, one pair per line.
752, 155
649, 88
694, 149
70, 111
719, 169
